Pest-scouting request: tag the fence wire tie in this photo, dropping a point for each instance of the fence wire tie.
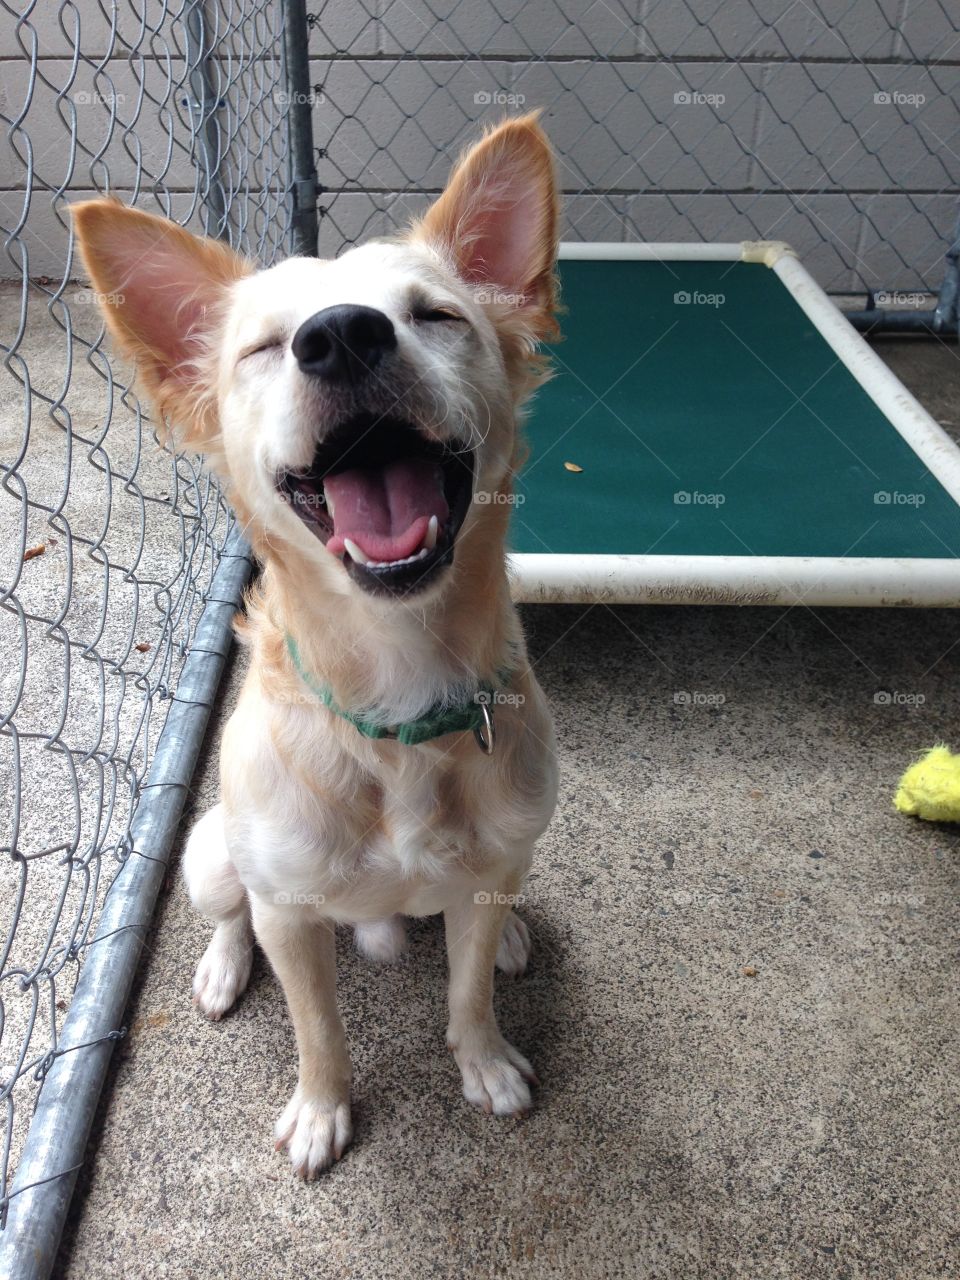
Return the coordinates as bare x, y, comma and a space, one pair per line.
42, 1070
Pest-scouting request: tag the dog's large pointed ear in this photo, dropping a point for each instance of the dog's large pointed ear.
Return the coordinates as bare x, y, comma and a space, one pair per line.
160, 290
497, 220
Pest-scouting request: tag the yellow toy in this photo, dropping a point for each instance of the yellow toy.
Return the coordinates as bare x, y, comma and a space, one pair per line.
931, 788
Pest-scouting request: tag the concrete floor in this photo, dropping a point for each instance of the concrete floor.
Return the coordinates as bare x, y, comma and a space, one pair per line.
693, 1121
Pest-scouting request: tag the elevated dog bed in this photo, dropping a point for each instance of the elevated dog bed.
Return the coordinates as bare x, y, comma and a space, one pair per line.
717, 432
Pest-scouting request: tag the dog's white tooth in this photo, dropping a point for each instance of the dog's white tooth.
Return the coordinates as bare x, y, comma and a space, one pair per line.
329, 501
430, 538
354, 552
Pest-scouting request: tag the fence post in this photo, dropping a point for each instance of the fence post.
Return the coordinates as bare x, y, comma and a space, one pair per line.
203, 105
303, 174
947, 313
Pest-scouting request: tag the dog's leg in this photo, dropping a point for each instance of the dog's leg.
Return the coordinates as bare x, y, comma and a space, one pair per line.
315, 1125
215, 890
513, 950
495, 1075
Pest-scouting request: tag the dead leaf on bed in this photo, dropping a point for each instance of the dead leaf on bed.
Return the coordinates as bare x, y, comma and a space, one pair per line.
32, 552
572, 466
143, 647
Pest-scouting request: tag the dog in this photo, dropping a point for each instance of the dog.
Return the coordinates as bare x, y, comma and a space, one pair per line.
391, 753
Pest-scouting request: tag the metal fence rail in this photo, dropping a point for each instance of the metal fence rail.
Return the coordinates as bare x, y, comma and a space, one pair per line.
120, 564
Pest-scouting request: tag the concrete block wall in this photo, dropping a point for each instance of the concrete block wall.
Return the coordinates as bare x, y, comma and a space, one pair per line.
832, 124
97, 96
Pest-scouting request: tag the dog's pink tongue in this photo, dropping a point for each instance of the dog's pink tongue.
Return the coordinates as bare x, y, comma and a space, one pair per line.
386, 511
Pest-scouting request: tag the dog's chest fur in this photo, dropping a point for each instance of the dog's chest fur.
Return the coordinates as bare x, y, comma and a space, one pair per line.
366, 832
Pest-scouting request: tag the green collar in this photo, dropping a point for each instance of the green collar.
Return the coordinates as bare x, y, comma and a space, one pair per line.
475, 715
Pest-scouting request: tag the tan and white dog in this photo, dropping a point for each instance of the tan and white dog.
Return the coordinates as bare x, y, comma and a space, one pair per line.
362, 414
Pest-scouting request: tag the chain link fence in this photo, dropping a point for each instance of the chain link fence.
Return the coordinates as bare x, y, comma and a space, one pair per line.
120, 564
833, 126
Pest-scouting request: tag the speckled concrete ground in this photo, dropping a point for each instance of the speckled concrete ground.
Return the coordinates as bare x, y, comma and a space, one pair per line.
694, 1121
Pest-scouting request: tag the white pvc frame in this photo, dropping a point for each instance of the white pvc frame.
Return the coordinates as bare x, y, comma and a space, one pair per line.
769, 580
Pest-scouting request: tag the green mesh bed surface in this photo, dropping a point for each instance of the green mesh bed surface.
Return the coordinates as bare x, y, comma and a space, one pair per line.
720, 425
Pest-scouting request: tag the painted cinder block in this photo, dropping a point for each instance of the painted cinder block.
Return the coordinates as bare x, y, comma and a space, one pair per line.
692, 145
774, 29
114, 116
859, 128
510, 28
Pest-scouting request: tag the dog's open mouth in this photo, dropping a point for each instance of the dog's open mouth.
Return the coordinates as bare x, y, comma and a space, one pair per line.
385, 499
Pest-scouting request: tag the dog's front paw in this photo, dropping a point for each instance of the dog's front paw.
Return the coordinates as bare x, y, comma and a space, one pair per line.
315, 1131
496, 1077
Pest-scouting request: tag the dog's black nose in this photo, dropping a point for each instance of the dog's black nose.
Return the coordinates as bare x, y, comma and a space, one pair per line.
343, 344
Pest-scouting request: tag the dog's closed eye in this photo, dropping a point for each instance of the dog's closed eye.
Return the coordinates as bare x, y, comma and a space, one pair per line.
264, 346
436, 315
